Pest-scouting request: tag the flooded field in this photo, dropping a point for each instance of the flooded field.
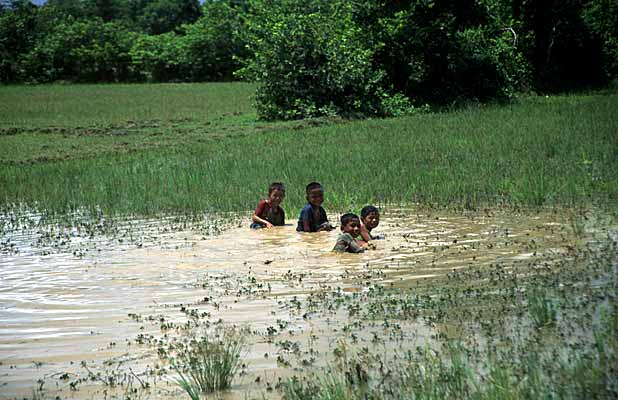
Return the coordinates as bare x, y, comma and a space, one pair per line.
90, 313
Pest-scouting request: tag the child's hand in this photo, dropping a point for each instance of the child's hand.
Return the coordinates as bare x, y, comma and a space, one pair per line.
269, 225
326, 226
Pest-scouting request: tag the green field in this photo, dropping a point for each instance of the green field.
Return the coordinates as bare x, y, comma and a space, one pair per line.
127, 150
147, 149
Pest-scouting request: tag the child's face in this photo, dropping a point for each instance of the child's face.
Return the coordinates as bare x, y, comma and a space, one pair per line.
352, 227
315, 197
276, 197
371, 220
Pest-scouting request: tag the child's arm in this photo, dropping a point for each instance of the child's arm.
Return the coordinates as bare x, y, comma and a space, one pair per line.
355, 247
256, 215
324, 224
261, 221
365, 234
345, 243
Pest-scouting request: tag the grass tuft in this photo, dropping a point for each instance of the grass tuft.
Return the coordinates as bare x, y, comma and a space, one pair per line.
543, 309
209, 364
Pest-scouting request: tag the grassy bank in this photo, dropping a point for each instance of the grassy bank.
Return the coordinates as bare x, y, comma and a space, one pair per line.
538, 151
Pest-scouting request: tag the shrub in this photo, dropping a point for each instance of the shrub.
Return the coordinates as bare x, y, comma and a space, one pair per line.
81, 51
310, 59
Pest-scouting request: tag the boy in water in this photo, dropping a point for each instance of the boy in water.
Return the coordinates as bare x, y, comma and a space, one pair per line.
370, 218
313, 217
346, 242
269, 213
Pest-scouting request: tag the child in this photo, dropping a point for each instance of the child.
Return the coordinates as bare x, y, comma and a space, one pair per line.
370, 218
346, 242
269, 213
313, 217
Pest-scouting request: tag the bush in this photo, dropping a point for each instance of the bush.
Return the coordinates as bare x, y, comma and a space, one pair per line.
365, 58
157, 58
81, 51
310, 59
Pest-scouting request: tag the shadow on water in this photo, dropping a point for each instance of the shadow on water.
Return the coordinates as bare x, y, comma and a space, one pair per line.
79, 309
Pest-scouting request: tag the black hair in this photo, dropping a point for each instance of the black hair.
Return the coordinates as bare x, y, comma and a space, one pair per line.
276, 186
347, 217
368, 210
313, 185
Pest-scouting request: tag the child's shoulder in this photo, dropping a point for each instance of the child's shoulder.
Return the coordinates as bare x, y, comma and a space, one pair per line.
345, 236
262, 203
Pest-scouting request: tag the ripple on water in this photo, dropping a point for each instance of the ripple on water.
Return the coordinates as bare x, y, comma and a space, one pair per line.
65, 303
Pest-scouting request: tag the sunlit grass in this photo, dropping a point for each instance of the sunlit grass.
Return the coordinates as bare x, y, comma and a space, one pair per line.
82, 105
537, 152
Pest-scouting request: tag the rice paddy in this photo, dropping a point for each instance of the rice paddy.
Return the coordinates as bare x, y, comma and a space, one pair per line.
121, 263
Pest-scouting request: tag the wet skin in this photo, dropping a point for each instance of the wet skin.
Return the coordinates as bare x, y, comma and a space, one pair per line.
371, 220
315, 197
353, 227
276, 197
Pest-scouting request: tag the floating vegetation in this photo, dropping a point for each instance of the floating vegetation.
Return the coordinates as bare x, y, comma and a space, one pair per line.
468, 305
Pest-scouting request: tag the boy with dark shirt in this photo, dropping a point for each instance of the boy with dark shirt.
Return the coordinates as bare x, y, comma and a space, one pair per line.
313, 217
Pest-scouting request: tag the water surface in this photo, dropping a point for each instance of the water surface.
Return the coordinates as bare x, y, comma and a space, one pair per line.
68, 297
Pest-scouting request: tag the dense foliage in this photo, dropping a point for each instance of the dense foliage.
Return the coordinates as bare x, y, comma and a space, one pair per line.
319, 57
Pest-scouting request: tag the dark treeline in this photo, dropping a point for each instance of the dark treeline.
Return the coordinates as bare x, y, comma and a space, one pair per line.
319, 57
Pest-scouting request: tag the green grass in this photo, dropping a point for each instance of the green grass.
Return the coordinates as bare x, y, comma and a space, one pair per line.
208, 364
543, 309
535, 152
83, 105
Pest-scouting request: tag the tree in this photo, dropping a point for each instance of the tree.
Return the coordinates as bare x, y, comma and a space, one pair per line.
600, 17
81, 51
160, 16
213, 45
563, 52
17, 37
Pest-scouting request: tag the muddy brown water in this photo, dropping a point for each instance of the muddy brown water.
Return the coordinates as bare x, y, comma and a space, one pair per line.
69, 301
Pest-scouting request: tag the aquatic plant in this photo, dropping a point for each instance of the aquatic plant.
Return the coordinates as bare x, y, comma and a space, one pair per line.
543, 309
209, 363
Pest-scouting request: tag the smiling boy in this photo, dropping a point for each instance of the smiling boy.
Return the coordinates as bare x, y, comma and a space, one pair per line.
313, 217
346, 242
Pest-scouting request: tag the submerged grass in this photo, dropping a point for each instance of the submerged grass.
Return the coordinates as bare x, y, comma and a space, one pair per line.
510, 359
538, 151
460, 371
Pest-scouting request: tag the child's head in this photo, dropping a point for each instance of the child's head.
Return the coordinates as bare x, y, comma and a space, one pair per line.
276, 193
315, 194
370, 217
350, 223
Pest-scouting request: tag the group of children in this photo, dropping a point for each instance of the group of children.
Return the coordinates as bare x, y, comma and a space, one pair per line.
356, 232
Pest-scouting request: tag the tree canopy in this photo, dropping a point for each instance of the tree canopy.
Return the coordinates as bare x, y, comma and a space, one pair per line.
319, 57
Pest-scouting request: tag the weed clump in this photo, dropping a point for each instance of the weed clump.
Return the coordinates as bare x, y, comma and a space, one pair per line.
208, 364
542, 308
